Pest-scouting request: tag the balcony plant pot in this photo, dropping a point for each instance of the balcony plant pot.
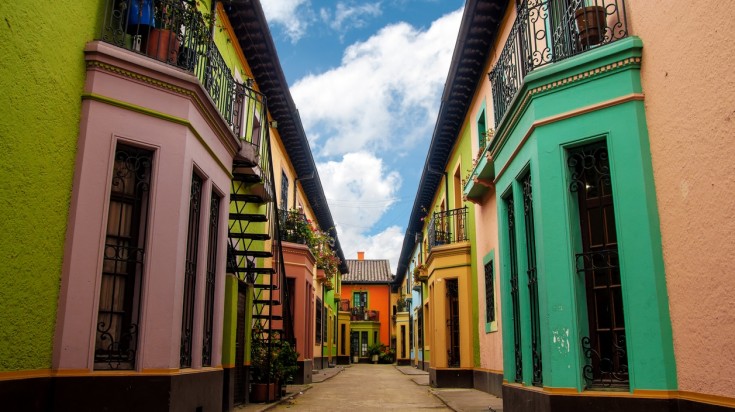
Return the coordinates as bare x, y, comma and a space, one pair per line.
591, 24
163, 45
263, 392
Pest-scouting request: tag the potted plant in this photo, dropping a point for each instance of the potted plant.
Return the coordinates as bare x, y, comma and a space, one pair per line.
163, 42
270, 367
374, 351
591, 24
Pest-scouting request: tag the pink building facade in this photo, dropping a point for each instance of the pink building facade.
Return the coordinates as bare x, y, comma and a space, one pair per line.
151, 175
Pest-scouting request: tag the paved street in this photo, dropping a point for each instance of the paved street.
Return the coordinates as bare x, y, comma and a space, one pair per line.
364, 387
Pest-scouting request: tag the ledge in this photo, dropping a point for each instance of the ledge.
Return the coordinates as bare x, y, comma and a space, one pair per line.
566, 73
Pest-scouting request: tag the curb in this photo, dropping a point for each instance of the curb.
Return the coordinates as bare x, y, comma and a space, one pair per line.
287, 398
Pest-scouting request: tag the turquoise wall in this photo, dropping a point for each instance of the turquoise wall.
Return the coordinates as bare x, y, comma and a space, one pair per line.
41, 78
561, 289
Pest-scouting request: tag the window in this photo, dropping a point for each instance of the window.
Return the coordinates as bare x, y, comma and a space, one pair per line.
359, 299
532, 275
605, 347
318, 327
210, 282
489, 293
190, 271
481, 131
420, 327
375, 337
363, 344
514, 291
284, 190
342, 338
124, 258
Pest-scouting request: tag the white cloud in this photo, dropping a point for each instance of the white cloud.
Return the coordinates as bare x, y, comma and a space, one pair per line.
384, 245
385, 93
292, 16
359, 190
349, 16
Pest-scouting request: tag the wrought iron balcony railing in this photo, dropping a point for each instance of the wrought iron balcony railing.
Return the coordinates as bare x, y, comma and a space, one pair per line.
448, 227
360, 313
176, 33
547, 31
295, 227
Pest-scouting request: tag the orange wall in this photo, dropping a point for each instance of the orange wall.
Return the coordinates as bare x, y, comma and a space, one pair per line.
688, 82
378, 299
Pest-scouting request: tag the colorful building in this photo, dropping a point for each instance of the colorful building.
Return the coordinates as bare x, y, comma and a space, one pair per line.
122, 298
438, 251
366, 296
577, 185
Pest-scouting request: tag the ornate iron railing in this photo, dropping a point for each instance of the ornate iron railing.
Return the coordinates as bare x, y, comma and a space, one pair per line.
360, 313
294, 226
548, 31
448, 227
532, 272
176, 33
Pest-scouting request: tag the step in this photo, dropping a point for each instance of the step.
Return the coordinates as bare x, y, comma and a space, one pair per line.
260, 271
271, 317
247, 198
250, 236
270, 302
247, 178
253, 253
250, 217
260, 286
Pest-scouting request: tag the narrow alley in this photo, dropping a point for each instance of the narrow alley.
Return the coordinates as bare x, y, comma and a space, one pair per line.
365, 387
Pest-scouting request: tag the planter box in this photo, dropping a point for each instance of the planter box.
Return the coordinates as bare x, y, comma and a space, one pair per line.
264, 392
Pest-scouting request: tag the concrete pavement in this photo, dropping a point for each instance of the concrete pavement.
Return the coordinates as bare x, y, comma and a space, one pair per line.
365, 387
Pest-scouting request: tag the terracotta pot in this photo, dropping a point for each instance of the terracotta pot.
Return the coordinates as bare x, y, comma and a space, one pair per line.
163, 45
591, 23
263, 392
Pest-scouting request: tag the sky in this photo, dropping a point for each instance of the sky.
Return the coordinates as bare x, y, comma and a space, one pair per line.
367, 79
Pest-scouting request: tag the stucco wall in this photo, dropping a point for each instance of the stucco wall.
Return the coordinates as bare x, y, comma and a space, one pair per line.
41, 78
688, 83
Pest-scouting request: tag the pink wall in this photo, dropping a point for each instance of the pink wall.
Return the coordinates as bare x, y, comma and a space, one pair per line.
689, 88
204, 144
300, 266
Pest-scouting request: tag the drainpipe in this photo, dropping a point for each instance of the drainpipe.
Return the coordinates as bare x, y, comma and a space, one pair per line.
322, 331
423, 326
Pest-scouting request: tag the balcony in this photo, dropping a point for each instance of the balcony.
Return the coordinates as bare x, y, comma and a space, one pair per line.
176, 33
295, 227
548, 31
448, 227
362, 314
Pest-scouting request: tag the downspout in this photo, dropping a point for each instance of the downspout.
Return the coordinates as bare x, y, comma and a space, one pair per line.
322, 323
423, 326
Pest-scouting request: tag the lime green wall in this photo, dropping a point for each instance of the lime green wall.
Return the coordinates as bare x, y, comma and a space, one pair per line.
561, 294
41, 77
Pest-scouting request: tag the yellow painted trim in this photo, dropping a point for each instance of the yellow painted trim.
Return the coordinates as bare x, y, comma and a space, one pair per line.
705, 398
559, 117
163, 116
25, 374
636, 394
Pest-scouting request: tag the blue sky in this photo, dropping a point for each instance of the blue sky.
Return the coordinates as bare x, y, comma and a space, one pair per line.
367, 78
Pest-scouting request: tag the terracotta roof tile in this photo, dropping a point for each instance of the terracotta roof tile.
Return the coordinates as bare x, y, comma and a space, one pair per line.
368, 271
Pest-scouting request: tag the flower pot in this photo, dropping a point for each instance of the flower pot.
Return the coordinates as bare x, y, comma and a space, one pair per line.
263, 392
375, 358
355, 359
163, 45
591, 24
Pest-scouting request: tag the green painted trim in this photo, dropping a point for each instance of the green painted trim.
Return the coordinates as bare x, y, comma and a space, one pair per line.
230, 321
159, 115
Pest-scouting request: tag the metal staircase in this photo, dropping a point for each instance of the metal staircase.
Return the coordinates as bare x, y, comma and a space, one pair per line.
254, 249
